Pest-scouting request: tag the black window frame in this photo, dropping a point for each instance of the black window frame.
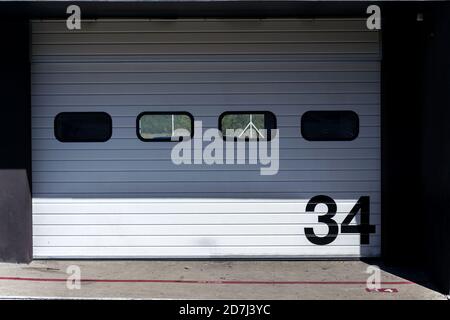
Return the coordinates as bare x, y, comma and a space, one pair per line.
89, 140
140, 115
308, 138
269, 133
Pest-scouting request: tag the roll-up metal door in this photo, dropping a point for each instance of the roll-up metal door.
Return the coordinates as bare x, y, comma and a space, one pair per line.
126, 198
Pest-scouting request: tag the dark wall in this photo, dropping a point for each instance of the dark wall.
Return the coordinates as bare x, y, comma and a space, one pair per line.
416, 139
188, 9
15, 143
435, 173
402, 81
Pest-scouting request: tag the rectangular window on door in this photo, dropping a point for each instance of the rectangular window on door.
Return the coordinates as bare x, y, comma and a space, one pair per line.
330, 125
165, 126
83, 127
252, 125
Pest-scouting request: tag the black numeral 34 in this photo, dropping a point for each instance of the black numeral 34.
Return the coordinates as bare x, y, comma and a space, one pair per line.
364, 228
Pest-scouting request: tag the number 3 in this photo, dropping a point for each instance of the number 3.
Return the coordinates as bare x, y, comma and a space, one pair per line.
333, 228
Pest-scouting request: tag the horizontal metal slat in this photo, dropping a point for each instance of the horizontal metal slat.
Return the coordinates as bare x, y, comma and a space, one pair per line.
207, 252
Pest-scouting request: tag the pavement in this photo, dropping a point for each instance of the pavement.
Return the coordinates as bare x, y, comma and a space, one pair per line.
267, 280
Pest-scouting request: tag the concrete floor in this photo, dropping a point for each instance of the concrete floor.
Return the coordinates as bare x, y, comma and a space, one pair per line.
206, 280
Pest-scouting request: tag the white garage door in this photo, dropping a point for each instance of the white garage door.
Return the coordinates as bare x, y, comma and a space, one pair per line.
126, 198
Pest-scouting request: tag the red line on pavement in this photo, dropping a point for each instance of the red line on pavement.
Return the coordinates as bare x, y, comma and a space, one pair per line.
244, 282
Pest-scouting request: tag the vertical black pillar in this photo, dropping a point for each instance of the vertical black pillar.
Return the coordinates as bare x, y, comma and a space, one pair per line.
402, 64
436, 146
15, 142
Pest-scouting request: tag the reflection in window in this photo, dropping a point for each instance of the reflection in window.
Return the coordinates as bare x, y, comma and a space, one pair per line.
164, 126
247, 125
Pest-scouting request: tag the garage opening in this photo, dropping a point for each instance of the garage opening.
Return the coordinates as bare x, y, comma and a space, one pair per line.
122, 197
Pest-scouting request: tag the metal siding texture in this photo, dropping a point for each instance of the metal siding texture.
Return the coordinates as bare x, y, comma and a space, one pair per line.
125, 198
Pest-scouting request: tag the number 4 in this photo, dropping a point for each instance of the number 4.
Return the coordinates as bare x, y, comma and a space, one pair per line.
364, 228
